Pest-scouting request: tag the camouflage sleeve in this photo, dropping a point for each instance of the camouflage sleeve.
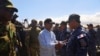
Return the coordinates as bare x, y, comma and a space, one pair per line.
14, 38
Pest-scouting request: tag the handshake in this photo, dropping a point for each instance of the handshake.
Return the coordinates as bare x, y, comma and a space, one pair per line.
60, 44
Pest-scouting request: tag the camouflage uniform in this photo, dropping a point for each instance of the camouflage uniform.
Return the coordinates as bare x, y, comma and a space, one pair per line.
7, 29
8, 40
13, 40
33, 42
4, 41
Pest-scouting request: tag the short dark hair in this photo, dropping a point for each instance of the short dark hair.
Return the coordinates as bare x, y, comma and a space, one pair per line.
75, 17
90, 25
63, 23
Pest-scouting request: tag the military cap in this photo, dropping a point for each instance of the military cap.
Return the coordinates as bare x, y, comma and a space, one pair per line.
75, 17
7, 4
48, 20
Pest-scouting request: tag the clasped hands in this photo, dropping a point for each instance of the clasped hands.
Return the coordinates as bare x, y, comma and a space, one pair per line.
60, 44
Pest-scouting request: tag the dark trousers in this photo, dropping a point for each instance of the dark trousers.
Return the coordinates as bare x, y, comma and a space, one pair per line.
92, 51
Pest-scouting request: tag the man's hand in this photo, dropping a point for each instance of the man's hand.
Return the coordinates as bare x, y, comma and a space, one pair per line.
59, 45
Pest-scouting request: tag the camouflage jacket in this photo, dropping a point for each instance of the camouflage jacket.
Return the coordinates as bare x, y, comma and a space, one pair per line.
33, 41
7, 40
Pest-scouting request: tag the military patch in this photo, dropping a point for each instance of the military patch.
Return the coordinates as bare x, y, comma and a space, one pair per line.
81, 36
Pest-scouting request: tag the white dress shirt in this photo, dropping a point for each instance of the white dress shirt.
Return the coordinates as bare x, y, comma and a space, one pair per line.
47, 42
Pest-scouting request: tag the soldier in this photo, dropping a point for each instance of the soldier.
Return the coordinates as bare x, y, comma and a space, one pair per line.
19, 33
41, 25
92, 40
98, 36
77, 43
56, 28
62, 35
33, 40
7, 29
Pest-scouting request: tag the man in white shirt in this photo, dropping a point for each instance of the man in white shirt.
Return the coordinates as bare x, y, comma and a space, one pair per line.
47, 40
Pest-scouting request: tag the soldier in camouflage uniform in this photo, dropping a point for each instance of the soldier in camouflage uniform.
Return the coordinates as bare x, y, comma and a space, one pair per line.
7, 29
33, 40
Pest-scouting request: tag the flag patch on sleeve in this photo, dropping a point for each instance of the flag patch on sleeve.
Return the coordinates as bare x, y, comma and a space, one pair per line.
81, 36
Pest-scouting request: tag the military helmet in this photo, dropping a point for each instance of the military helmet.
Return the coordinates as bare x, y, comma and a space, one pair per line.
7, 4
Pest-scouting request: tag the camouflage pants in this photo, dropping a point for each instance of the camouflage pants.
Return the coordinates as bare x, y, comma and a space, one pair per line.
34, 51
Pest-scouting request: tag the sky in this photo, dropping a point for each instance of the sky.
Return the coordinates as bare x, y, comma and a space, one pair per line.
58, 10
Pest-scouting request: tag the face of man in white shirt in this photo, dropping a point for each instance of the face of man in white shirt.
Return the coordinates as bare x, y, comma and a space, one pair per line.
48, 26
